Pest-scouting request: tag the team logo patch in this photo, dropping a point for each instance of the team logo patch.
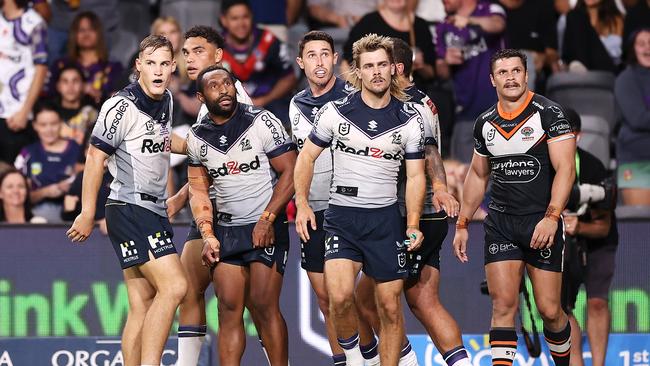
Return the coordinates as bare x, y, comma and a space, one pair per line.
397, 138
546, 253
493, 248
269, 250
204, 150
401, 260
149, 126
344, 128
36, 168
245, 144
527, 131
558, 112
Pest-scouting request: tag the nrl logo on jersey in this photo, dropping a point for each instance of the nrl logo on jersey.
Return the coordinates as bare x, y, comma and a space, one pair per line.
397, 138
204, 150
490, 134
344, 128
245, 144
296, 119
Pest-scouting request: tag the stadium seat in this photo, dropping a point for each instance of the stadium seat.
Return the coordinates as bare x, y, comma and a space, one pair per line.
594, 137
589, 93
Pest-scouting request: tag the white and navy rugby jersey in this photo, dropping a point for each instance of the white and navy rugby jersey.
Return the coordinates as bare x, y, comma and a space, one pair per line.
236, 156
242, 97
22, 45
428, 110
368, 148
135, 131
516, 145
302, 111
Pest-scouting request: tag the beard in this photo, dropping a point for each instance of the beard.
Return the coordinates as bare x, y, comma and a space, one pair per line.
216, 109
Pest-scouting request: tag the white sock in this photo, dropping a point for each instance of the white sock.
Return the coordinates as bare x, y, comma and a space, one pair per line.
352, 351
408, 357
373, 361
190, 340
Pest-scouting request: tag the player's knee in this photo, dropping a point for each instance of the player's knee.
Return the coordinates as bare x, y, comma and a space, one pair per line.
504, 307
226, 306
550, 312
340, 304
175, 290
324, 304
597, 305
389, 309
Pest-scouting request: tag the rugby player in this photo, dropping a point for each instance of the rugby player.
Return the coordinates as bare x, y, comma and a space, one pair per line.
363, 222
202, 48
525, 146
421, 287
243, 150
133, 131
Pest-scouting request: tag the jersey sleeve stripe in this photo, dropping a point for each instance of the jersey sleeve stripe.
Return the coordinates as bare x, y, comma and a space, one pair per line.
318, 141
282, 149
101, 145
566, 136
430, 141
194, 164
414, 155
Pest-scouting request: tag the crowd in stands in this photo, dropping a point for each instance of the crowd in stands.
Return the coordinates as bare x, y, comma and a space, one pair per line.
60, 59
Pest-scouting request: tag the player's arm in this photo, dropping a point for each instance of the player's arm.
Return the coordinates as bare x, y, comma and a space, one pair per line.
93, 176
263, 233
414, 197
177, 201
562, 155
490, 23
199, 184
179, 144
435, 170
473, 193
596, 228
302, 176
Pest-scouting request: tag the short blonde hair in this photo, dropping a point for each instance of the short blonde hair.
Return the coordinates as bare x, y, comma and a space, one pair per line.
180, 60
370, 43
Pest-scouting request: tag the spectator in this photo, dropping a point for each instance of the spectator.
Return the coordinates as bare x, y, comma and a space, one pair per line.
637, 17
591, 243
49, 164
465, 42
63, 15
632, 92
42, 7
87, 49
433, 11
14, 198
257, 58
339, 13
394, 19
593, 36
530, 27
23, 64
77, 110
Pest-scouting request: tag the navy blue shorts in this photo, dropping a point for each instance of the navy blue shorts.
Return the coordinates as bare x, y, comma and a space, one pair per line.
312, 253
135, 231
371, 236
434, 228
507, 237
237, 245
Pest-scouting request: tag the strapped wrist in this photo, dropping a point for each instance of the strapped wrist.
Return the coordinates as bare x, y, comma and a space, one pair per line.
462, 222
552, 213
268, 216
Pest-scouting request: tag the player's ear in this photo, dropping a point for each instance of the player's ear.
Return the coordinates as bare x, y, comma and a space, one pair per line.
492, 80
392, 69
173, 65
200, 96
138, 64
218, 55
336, 58
300, 63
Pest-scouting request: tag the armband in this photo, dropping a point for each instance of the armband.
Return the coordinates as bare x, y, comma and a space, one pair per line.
462, 222
268, 216
552, 213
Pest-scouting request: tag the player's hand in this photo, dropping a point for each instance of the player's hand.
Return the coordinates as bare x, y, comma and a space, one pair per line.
415, 237
460, 245
571, 224
263, 234
447, 202
544, 234
304, 217
459, 21
18, 121
454, 56
81, 227
210, 252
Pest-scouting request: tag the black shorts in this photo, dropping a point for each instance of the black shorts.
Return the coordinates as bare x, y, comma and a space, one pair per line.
591, 265
135, 231
371, 236
434, 230
507, 237
312, 252
237, 245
